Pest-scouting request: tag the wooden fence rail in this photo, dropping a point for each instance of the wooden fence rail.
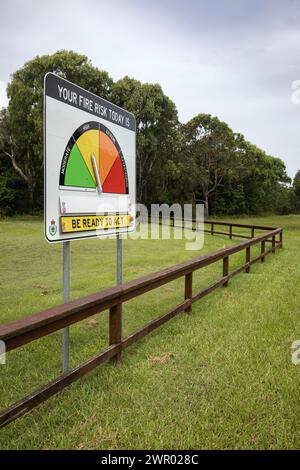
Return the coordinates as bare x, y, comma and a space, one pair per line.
25, 330
178, 223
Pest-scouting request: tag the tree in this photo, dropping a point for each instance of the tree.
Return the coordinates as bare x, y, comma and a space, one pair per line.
157, 133
13, 191
208, 146
21, 126
202, 160
295, 196
296, 185
259, 184
264, 179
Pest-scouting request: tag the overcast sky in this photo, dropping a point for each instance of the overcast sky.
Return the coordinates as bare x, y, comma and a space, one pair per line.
235, 59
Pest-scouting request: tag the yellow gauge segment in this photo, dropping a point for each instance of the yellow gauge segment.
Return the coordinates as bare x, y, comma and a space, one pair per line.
88, 144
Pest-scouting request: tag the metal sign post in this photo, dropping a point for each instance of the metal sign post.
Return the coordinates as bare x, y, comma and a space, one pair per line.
120, 272
87, 196
66, 298
119, 259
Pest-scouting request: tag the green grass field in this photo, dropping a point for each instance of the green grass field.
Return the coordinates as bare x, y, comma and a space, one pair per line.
221, 377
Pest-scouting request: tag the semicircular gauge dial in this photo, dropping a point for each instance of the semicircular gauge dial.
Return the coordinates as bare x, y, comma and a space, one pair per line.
77, 171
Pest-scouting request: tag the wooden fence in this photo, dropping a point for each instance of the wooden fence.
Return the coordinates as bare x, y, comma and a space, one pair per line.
25, 330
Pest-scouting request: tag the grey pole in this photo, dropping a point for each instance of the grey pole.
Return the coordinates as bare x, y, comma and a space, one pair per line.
119, 269
119, 259
66, 298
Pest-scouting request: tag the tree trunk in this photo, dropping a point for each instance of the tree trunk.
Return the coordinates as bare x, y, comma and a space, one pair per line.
31, 195
206, 204
31, 184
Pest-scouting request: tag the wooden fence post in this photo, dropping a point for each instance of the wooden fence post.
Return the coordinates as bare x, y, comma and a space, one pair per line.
188, 290
115, 328
281, 239
212, 229
262, 250
225, 269
230, 231
248, 259
252, 232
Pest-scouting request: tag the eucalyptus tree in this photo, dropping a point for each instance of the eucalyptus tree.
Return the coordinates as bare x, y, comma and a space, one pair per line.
21, 126
209, 150
157, 134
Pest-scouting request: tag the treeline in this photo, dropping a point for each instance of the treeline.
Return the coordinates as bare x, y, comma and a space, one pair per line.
202, 160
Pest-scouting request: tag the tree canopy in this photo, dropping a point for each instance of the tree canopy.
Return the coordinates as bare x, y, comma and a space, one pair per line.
208, 144
202, 160
21, 124
157, 121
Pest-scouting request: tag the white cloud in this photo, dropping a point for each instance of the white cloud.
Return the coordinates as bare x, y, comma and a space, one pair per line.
236, 62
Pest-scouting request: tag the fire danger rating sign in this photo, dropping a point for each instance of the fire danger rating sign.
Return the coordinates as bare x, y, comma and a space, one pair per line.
90, 163
87, 223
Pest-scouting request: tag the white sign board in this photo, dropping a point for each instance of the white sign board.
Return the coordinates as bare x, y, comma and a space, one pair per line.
90, 162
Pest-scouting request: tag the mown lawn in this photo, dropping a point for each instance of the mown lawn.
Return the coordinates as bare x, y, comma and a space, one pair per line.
221, 377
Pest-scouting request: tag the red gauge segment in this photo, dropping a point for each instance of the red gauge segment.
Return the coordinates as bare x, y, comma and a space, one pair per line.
115, 181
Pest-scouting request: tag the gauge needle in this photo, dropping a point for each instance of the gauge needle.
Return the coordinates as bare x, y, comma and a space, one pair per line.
96, 171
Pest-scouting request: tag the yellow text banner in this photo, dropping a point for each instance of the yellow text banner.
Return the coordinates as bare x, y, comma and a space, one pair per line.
85, 223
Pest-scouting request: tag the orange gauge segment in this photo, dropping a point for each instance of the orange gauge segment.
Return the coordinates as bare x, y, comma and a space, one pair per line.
108, 155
